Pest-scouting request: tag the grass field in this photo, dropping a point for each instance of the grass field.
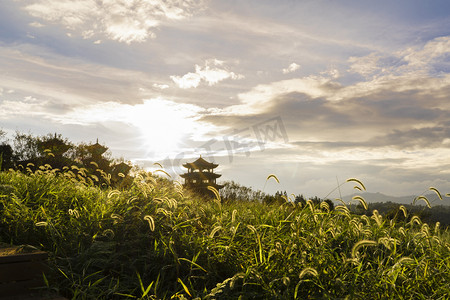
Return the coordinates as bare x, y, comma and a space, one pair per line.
154, 240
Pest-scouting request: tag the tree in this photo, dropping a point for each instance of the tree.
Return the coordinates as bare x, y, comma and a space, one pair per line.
300, 199
316, 200
97, 161
25, 147
6, 157
6, 153
55, 144
87, 162
233, 191
44, 150
330, 204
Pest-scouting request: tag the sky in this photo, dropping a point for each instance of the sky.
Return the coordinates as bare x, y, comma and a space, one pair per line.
315, 92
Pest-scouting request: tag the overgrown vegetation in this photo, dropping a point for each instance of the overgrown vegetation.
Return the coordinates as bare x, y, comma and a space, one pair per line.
88, 162
393, 211
233, 191
148, 238
152, 240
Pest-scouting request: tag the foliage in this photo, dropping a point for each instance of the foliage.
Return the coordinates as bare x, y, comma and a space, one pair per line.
89, 161
6, 157
154, 240
233, 191
393, 211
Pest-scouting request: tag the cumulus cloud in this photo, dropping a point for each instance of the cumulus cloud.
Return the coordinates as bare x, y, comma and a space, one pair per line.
412, 70
291, 68
187, 81
211, 73
29, 106
122, 20
426, 60
366, 65
433, 50
262, 97
393, 118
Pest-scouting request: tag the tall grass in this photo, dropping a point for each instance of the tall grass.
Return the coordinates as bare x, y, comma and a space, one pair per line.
155, 240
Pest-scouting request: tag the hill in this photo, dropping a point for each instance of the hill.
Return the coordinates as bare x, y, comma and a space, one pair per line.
379, 197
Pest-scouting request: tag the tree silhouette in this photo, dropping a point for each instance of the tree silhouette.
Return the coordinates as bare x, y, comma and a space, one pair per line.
89, 162
6, 157
50, 150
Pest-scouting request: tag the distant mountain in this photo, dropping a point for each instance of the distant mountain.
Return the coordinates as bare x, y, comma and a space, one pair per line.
379, 197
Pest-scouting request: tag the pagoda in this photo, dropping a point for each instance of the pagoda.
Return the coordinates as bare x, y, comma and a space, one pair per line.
94, 159
96, 150
200, 175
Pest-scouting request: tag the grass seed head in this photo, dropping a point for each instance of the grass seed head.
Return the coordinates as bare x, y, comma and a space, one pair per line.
436, 191
214, 231
151, 222
357, 181
361, 200
425, 199
308, 271
360, 244
274, 177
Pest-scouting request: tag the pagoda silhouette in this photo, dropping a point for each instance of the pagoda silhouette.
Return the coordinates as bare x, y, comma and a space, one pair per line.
95, 154
200, 176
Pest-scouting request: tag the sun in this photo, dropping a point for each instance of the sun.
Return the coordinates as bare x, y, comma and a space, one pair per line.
162, 127
164, 124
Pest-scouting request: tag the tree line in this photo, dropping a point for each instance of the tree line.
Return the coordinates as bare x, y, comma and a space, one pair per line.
392, 211
90, 162
93, 162
233, 191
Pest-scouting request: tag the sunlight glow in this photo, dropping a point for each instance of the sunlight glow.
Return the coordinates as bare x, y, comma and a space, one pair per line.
163, 124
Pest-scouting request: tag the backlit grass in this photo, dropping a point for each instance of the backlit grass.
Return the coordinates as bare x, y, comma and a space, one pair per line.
154, 240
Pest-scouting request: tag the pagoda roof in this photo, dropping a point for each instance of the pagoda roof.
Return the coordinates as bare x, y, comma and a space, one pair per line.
200, 164
200, 175
122, 167
96, 148
55, 145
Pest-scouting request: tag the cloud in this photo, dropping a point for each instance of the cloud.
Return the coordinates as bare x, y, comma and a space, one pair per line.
161, 125
400, 121
160, 86
36, 24
121, 20
394, 140
187, 81
212, 72
409, 71
419, 61
261, 98
128, 113
71, 81
291, 68
365, 66
398, 109
28, 106
436, 49
388, 125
